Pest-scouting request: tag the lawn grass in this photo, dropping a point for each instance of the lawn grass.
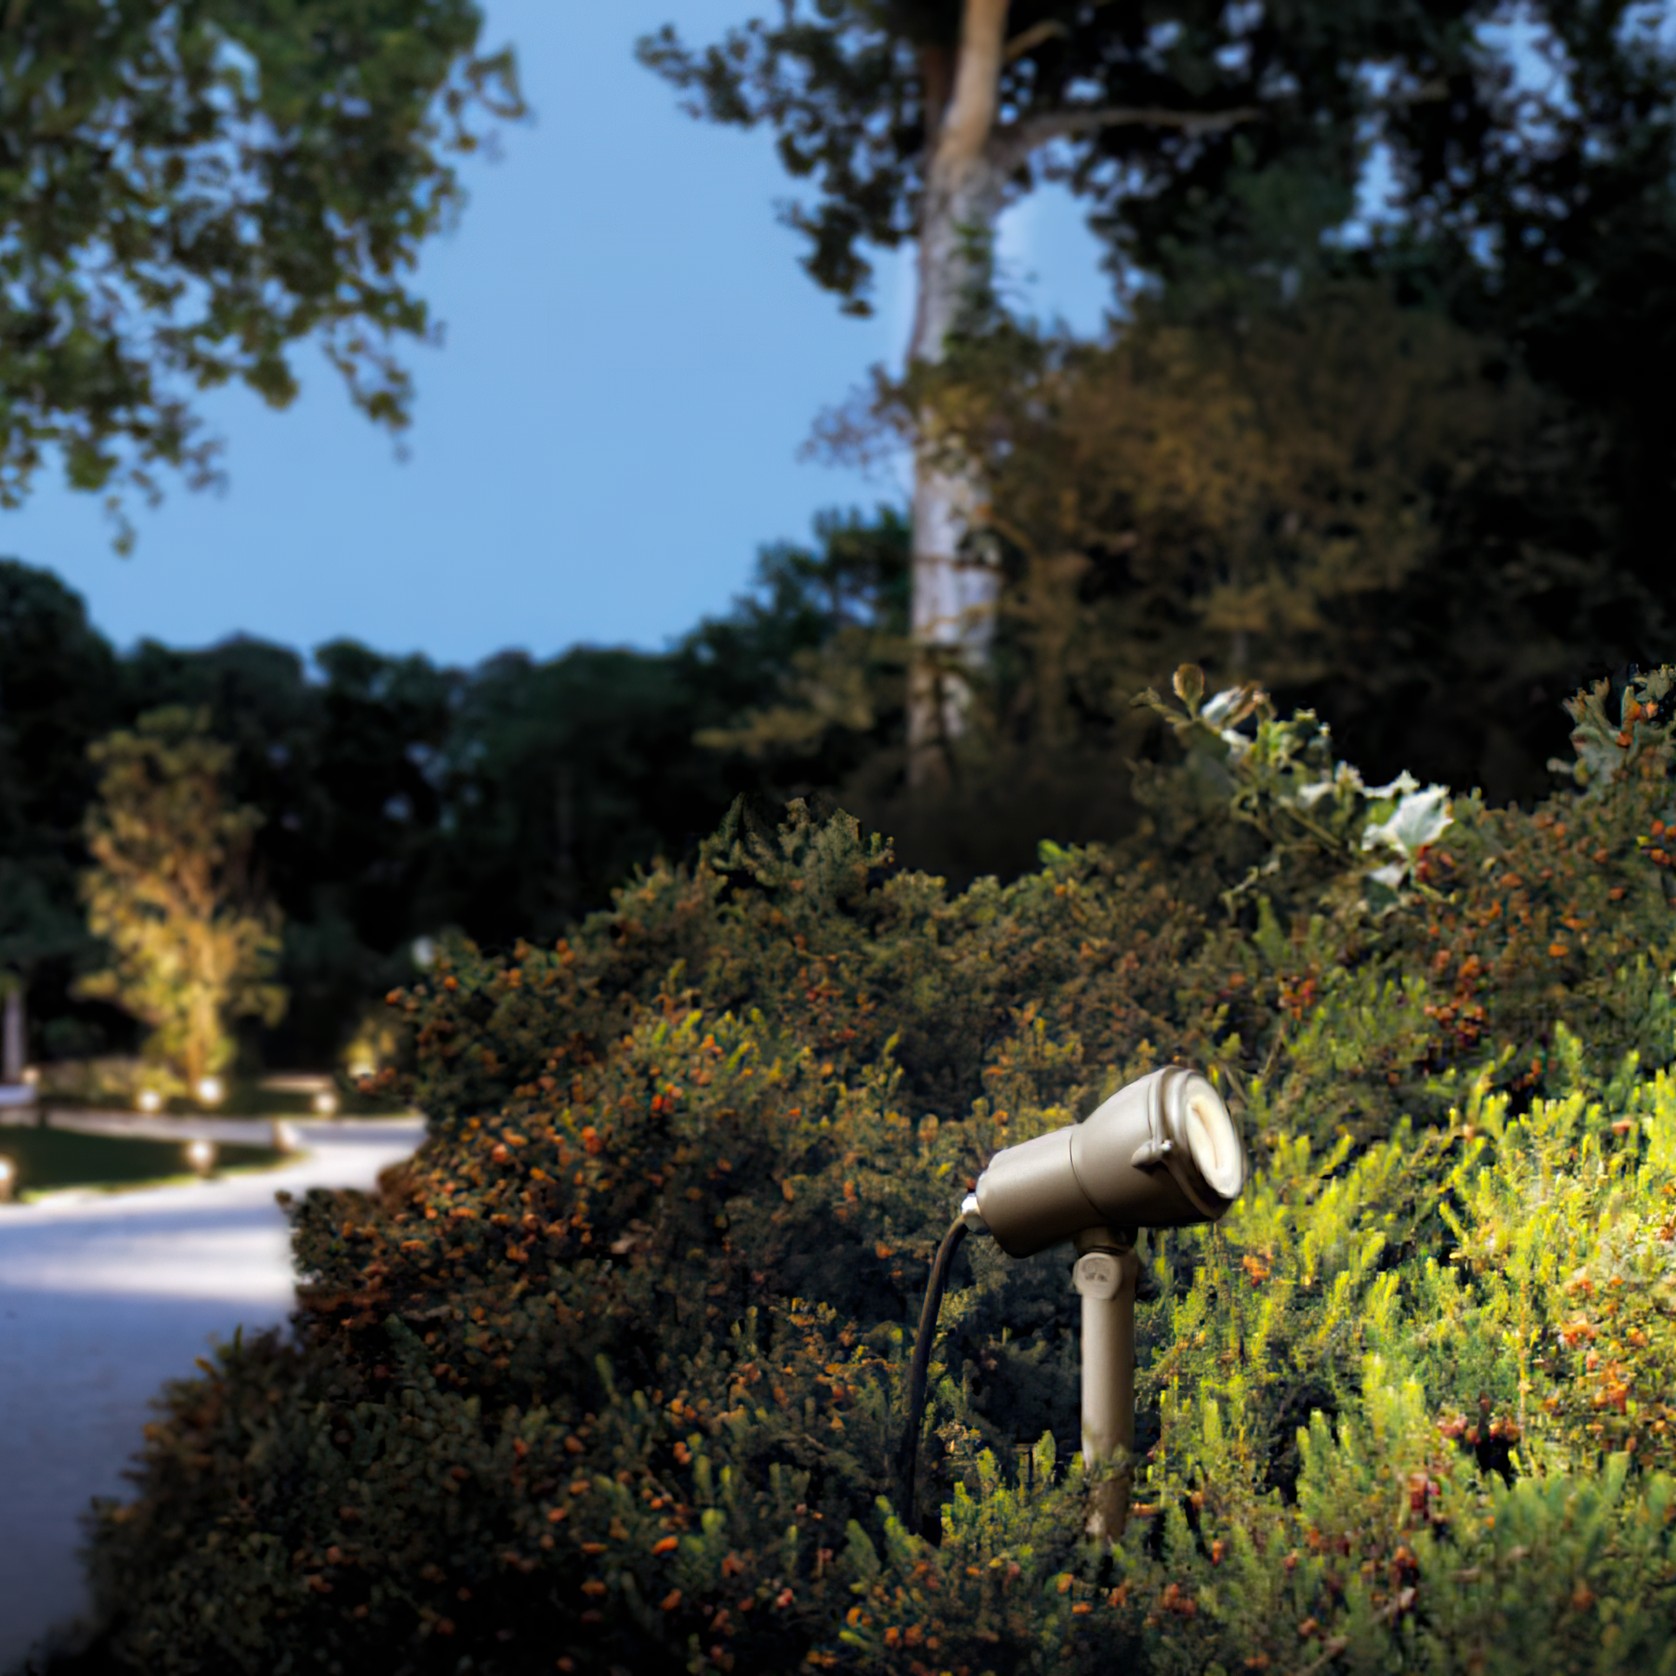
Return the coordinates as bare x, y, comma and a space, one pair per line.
47, 1160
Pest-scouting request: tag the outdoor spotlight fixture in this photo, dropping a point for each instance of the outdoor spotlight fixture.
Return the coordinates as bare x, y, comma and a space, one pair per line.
1162, 1152
210, 1091
201, 1156
326, 1102
150, 1100
8, 1180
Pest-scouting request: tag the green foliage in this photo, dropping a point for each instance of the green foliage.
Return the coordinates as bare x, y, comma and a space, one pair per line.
838, 621
171, 894
1310, 813
613, 1371
191, 192
1196, 487
857, 93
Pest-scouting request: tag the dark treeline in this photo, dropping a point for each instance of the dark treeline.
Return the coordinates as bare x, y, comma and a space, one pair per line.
400, 799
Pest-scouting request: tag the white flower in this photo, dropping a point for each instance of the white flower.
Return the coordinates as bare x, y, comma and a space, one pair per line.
1416, 821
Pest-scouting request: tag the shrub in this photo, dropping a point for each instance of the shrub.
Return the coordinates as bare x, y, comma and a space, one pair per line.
609, 1376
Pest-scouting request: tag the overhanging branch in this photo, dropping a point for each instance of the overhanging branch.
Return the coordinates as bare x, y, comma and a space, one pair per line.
1021, 43
1065, 124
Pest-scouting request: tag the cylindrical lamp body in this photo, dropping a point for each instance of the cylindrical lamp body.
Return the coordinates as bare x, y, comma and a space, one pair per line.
1160, 1153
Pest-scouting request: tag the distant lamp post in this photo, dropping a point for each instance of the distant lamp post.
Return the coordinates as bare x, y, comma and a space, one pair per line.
211, 1091
201, 1156
326, 1103
8, 1177
150, 1100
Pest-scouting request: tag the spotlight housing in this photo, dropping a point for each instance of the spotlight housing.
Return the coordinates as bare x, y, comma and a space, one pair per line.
1161, 1153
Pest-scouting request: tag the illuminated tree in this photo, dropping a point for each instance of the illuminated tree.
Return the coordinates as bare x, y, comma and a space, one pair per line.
171, 892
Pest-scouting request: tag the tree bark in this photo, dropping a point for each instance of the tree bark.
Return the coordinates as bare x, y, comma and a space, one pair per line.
954, 595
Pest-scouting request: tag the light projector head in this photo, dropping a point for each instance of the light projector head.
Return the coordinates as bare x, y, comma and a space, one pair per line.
1160, 1153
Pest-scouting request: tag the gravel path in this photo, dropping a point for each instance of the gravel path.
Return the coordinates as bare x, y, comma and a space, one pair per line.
105, 1297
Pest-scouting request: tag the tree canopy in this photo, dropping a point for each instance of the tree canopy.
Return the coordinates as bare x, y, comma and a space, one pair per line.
1138, 109
192, 190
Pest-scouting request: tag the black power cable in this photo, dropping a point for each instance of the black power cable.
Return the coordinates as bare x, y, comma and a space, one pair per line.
907, 1456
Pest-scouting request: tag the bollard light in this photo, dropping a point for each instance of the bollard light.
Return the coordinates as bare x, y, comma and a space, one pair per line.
326, 1102
1162, 1152
211, 1091
150, 1100
201, 1156
8, 1180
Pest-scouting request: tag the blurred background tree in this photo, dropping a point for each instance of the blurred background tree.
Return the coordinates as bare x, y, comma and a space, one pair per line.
171, 891
924, 119
57, 695
1409, 482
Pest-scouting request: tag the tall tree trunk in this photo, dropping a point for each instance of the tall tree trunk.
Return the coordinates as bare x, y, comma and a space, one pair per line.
12, 1049
954, 597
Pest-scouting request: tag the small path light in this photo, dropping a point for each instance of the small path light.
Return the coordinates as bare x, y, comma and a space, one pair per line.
326, 1103
32, 1075
150, 1100
1162, 1152
211, 1091
201, 1156
8, 1180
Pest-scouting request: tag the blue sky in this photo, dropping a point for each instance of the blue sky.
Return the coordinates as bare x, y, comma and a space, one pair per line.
609, 433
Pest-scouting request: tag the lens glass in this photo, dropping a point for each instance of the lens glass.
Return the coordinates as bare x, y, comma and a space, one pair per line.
1212, 1141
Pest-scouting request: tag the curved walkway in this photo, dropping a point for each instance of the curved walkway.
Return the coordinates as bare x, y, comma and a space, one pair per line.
105, 1297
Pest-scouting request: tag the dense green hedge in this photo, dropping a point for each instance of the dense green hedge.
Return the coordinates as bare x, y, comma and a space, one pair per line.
609, 1378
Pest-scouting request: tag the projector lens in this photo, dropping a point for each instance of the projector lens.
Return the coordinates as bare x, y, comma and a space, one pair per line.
1212, 1141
